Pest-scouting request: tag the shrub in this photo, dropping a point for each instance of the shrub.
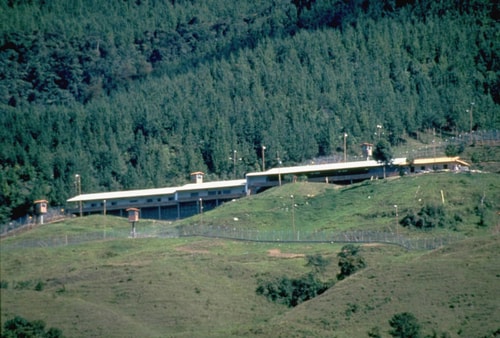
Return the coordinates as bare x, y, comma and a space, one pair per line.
454, 149
23, 285
292, 292
39, 286
430, 216
374, 332
350, 261
4, 284
404, 325
317, 262
21, 327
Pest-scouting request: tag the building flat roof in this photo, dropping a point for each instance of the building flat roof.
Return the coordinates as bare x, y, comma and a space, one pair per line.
157, 191
438, 160
323, 167
242, 182
212, 185
123, 194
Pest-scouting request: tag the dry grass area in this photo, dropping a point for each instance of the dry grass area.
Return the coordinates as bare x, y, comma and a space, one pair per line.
277, 253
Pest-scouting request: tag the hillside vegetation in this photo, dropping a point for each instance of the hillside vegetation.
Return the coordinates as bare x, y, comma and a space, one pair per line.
138, 94
205, 287
464, 199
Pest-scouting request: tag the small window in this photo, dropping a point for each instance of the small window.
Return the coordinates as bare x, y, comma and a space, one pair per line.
113, 203
170, 198
133, 201
445, 166
226, 192
149, 200
212, 193
194, 194
158, 199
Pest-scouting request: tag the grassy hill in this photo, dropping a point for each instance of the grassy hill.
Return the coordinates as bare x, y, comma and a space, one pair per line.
367, 205
199, 287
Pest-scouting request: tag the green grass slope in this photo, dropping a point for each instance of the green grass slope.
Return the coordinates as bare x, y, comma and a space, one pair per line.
199, 287
367, 205
453, 292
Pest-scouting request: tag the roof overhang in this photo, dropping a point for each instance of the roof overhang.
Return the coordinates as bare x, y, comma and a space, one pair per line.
122, 194
438, 160
313, 168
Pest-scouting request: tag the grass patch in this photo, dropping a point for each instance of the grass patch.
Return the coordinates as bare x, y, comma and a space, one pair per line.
367, 205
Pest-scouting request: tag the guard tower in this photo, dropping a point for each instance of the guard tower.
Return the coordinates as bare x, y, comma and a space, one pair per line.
40, 209
367, 149
197, 177
133, 217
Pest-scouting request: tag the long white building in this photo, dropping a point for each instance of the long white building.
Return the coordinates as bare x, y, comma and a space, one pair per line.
179, 202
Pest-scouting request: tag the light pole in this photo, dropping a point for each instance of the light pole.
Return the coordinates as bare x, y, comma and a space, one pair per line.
396, 206
234, 163
279, 167
263, 158
201, 211
379, 127
293, 215
345, 147
470, 118
78, 180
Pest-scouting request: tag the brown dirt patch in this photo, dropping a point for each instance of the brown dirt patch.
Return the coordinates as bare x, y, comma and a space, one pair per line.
372, 244
279, 254
201, 247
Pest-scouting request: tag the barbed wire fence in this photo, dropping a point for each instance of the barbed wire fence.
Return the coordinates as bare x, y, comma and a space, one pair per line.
28, 222
223, 232
289, 236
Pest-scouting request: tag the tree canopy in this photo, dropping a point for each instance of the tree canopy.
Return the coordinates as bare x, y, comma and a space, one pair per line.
138, 94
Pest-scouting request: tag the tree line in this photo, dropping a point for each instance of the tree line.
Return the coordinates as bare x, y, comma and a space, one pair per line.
138, 94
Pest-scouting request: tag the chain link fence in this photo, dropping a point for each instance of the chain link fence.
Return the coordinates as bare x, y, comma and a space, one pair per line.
272, 236
30, 221
289, 236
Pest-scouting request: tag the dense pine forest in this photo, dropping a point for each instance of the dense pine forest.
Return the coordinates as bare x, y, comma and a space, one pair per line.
138, 94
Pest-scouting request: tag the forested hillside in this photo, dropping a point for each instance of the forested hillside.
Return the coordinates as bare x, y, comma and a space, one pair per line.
137, 94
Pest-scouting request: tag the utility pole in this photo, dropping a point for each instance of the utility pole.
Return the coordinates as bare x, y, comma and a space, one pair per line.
345, 147
78, 181
263, 158
470, 117
396, 206
234, 163
201, 211
293, 215
279, 167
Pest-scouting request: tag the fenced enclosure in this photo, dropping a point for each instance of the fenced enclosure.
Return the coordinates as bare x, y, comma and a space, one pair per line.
29, 221
222, 232
289, 236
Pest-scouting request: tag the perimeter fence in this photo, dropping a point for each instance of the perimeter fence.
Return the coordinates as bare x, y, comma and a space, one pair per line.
425, 242
28, 222
274, 236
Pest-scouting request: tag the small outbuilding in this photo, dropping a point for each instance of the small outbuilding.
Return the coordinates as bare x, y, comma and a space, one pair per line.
367, 149
40, 209
133, 216
197, 177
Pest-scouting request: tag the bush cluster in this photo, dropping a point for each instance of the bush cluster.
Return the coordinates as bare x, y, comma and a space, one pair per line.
21, 327
430, 216
350, 261
292, 291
